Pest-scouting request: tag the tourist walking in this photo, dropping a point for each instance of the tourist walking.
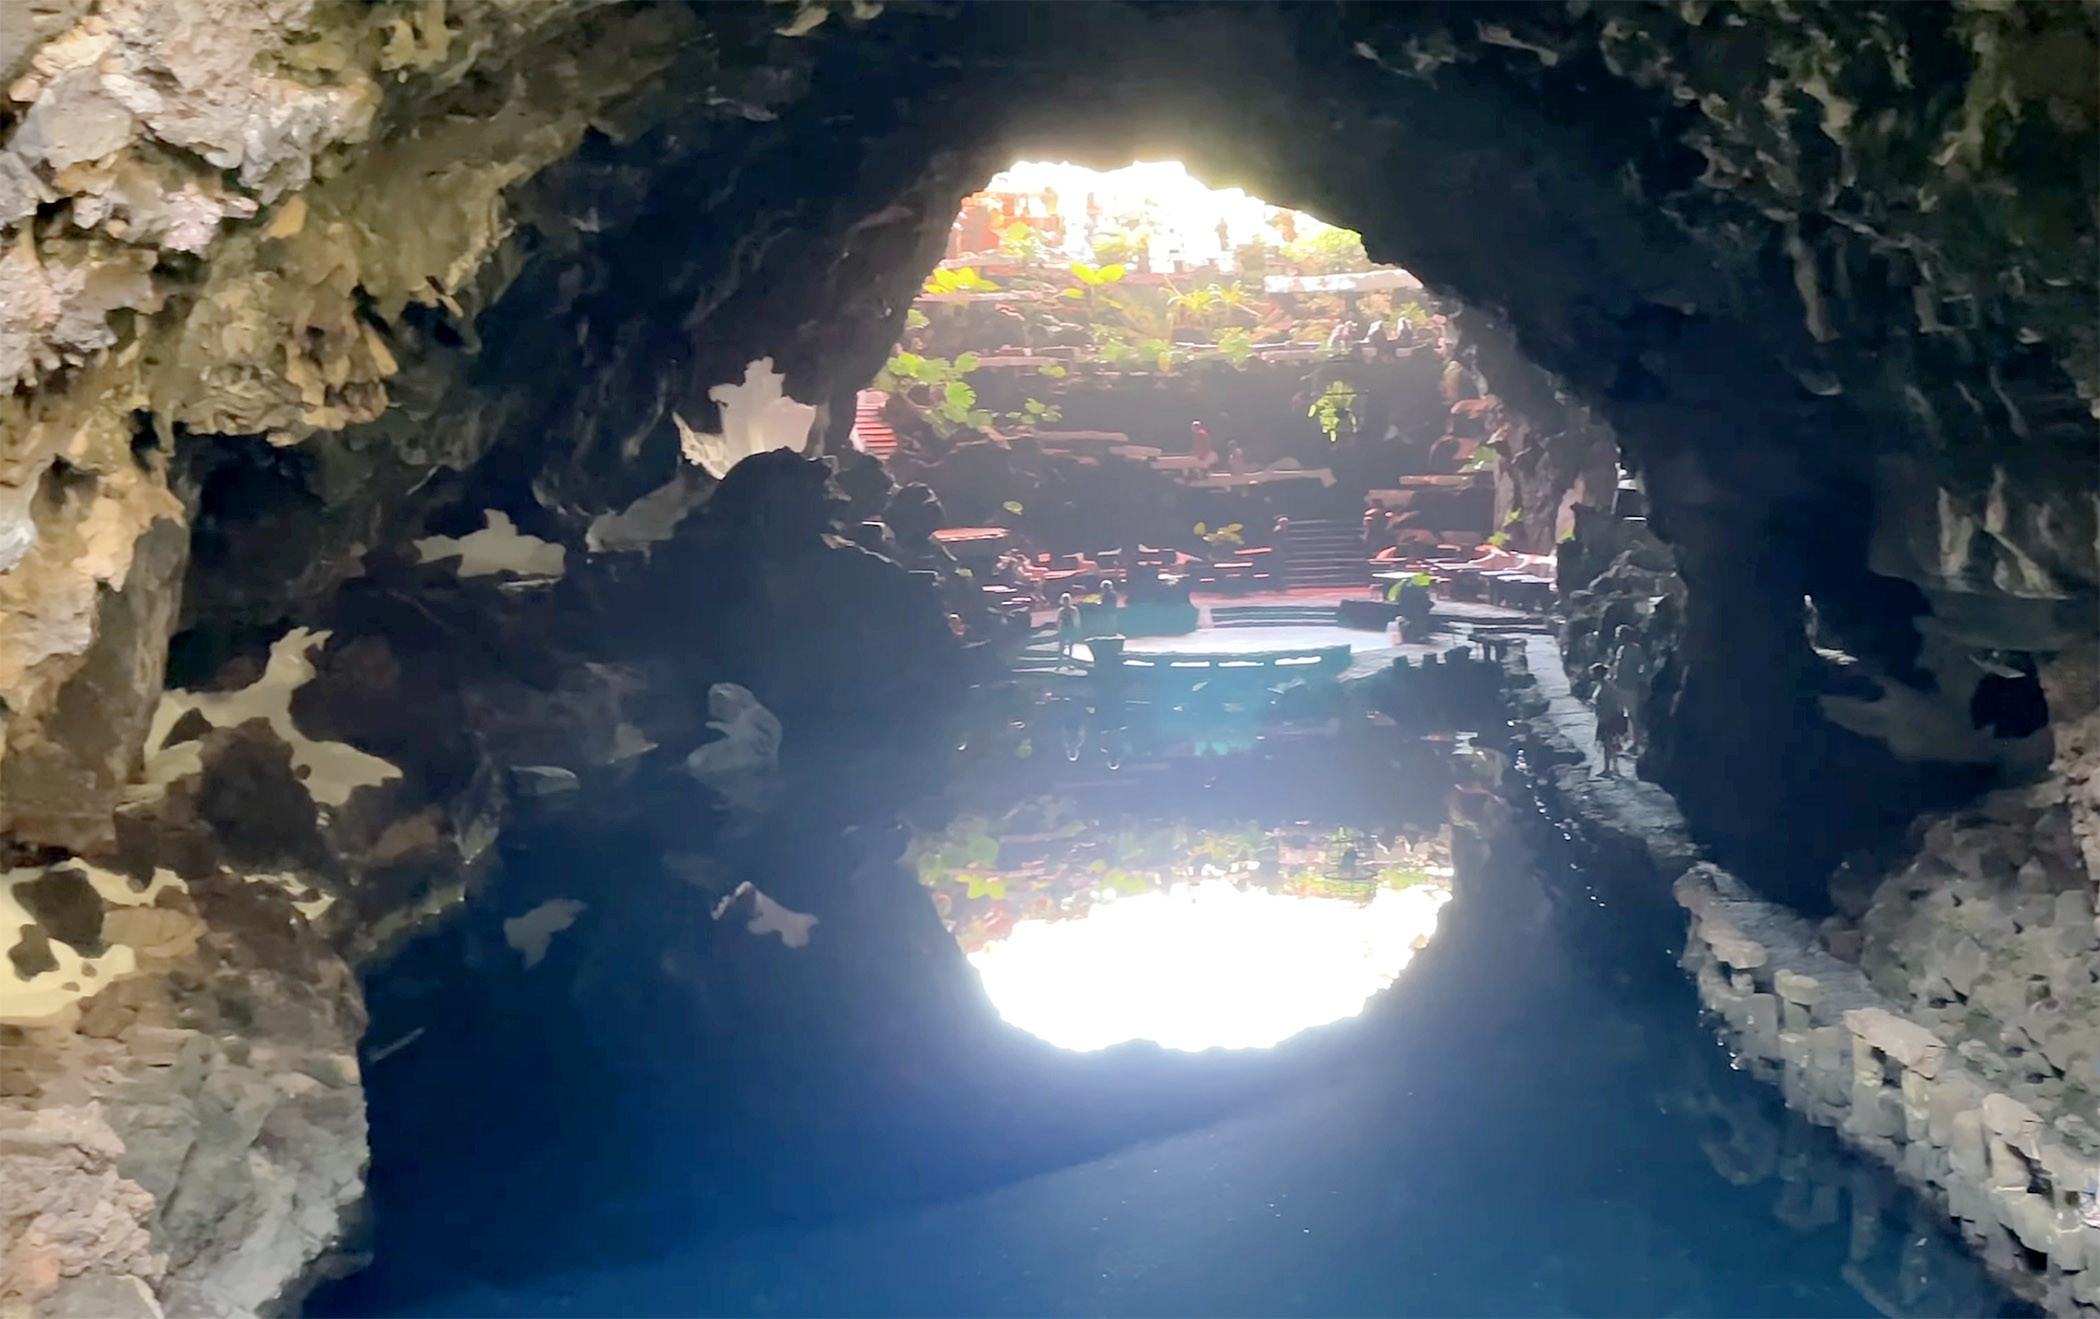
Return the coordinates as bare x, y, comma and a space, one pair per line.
1629, 680
1611, 719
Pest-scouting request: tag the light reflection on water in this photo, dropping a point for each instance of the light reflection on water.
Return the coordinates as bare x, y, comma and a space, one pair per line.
1203, 966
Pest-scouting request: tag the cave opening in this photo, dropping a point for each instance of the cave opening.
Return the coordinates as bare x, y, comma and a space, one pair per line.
1122, 386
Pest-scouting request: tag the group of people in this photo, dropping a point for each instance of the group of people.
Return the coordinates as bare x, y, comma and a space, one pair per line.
1375, 343
1621, 683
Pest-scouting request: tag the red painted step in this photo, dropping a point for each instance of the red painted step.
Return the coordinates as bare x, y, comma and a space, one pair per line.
870, 433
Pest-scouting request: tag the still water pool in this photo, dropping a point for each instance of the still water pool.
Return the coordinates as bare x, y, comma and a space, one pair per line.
1531, 1120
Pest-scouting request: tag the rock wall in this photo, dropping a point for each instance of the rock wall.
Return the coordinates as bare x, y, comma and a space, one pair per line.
2018, 1177
181, 1123
2014, 1162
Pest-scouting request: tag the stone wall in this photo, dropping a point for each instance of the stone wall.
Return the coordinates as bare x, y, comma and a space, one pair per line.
2020, 1183
2013, 1160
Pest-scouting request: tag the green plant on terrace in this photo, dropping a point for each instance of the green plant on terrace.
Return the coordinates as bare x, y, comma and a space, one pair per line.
1212, 305
1119, 246
1096, 276
1329, 252
1335, 404
963, 279
1022, 245
1236, 345
936, 385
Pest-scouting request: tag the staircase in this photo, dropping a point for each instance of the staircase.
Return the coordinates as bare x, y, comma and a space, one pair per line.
1327, 553
1040, 656
871, 434
1272, 615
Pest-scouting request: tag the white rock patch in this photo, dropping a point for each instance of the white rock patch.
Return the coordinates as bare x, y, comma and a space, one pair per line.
648, 520
307, 900
768, 916
50, 993
332, 770
499, 547
757, 417
532, 933
741, 763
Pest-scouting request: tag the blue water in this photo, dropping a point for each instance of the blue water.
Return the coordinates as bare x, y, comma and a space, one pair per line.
1518, 1128
1532, 1121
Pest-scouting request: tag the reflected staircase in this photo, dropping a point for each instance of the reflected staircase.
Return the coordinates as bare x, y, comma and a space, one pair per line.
1327, 553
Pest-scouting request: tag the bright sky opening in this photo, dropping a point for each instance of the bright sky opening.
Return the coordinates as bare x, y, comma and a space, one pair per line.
1183, 209
1204, 966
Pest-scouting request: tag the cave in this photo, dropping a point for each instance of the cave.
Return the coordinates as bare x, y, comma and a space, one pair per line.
490, 763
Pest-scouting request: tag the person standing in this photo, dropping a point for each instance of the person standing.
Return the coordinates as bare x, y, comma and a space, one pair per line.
1067, 625
1629, 680
1200, 445
1611, 720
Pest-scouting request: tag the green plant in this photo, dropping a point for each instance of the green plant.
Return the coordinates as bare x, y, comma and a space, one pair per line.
937, 386
1194, 306
1022, 245
962, 279
1034, 412
1119, 246
915, 319
1225, 537
1329, 252
1096, 276
1334, 404
1211, 304
1236, 345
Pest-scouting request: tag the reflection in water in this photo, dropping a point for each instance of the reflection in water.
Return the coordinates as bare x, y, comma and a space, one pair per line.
1204, 966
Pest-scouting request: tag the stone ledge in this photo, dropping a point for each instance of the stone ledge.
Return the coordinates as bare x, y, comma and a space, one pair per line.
1841, 1053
